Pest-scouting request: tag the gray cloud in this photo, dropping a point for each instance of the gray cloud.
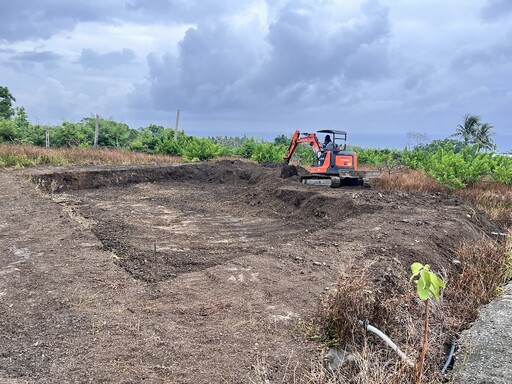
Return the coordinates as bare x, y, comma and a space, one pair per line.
22, 61
302, 59
497, 9
211, 60
184, 10
89, 58
489, 56
301, 50
36, 56
35, 19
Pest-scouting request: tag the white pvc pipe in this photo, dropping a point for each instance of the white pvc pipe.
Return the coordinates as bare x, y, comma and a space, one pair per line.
388, 341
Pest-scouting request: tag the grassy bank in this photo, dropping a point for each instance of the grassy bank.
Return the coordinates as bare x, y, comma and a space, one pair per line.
18, 156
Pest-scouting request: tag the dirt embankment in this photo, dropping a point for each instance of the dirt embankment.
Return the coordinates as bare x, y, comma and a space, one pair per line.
193, 273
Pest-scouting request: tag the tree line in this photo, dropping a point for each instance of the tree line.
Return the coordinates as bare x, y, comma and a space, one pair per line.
456, 161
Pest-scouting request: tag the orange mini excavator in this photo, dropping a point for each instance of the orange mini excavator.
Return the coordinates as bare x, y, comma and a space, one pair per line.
334, 165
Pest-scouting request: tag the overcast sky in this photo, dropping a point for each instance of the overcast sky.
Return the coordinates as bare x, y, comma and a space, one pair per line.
264, 67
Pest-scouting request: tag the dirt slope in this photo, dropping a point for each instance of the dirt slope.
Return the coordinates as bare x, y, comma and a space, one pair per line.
192, 273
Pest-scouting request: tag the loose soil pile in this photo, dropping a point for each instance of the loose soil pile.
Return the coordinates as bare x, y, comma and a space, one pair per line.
193, 273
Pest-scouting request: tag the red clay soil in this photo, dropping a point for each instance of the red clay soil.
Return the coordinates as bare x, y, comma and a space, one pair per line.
192, 273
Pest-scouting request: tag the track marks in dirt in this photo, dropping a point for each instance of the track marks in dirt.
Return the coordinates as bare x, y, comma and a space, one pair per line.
158, 231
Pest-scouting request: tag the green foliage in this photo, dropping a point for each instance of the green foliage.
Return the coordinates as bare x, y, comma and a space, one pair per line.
227, 151
268, 153
197, 149
72, 135
445, 144
6, 100
501, 169
8, 130
171, 142
247, 148
388, 158
158, 139
111, 134
34, 135
282, 140
228, 141
427, 282
451, 169
305, 153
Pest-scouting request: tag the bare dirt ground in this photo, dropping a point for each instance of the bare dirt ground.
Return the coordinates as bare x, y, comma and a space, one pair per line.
193, 273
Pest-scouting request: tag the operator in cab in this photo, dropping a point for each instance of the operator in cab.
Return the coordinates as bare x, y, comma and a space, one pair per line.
328, 143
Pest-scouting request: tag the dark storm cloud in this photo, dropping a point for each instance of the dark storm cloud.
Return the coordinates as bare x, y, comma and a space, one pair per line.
497, 9
89, 58
303, 58
32, 19
212, 58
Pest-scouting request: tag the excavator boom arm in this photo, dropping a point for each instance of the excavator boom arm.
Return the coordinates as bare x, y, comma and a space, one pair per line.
309, 138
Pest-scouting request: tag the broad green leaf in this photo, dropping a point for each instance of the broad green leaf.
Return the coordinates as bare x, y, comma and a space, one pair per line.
428, 282
435, 292
425, 276
423, 292
416, 268
434, 281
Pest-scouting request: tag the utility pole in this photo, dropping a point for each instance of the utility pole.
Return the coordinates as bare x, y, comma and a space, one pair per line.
96, 131
47, 137
177, 120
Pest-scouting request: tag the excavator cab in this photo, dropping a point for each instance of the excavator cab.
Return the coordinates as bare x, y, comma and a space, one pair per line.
334, 157
338, 140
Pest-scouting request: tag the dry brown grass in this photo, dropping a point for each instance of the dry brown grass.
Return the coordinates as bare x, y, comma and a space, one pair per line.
396, 311
409, 181
27, 155
483, 270
493, 198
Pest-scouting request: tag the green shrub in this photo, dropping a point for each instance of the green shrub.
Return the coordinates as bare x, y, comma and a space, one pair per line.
200, 149
246, 149
502, 169
268, 153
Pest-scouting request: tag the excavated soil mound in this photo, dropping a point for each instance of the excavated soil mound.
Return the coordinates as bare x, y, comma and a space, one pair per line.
194, 273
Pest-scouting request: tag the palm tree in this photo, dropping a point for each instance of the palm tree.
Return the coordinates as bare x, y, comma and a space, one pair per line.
483, 137
474, 132
468, 130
